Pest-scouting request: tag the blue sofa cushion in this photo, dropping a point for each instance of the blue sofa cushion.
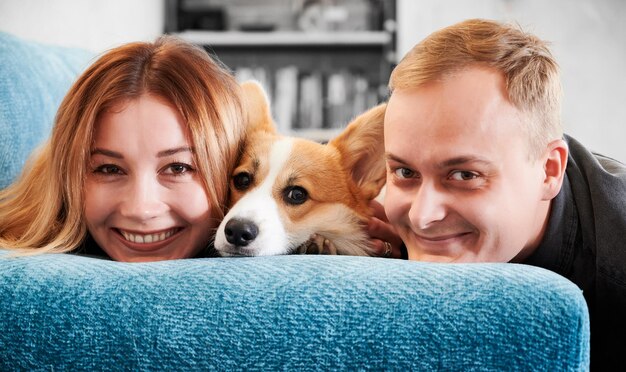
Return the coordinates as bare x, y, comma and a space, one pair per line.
34, 78
66, 312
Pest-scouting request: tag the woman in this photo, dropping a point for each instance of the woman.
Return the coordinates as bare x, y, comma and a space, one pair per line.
138, 161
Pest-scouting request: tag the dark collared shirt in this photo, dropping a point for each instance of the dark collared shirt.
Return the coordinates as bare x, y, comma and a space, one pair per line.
585, 241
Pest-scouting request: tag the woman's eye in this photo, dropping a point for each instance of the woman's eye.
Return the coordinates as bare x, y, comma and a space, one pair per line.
404, 173
242, 180
177, 169
107, 169
295, 195
463, 175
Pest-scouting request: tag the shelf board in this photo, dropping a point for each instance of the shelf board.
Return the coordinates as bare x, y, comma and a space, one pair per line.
286, 38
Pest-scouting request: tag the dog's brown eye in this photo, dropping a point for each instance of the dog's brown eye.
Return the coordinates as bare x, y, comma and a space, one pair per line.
295, 195
242, 180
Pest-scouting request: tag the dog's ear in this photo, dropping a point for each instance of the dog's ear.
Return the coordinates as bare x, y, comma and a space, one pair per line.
257, 107
362, 150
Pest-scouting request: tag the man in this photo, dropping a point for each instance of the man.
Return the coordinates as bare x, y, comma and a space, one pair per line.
480, 171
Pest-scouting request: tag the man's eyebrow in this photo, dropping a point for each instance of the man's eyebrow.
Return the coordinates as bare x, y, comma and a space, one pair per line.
461, 160
174, 151
452, 162
392, 157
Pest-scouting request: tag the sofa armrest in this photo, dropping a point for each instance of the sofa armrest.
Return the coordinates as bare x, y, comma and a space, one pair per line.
67, 312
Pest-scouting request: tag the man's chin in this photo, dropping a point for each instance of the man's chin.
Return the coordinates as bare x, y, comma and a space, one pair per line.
429, 257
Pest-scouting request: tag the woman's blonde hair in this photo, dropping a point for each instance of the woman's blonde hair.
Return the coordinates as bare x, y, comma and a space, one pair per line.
43, 210
530, 71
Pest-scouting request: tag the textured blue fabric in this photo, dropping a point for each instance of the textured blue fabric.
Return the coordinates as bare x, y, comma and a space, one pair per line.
33, 80
66, 312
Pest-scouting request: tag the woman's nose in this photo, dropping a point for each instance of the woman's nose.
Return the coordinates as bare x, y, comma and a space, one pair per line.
428, 206
143, 199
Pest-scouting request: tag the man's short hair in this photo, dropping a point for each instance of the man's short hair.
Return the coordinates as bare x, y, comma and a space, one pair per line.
530, 71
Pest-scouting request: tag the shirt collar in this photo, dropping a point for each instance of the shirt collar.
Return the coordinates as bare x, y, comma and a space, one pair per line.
554, 251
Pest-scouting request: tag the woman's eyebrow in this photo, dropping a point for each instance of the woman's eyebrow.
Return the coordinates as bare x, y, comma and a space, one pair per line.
106, 152
160, 154
174, 151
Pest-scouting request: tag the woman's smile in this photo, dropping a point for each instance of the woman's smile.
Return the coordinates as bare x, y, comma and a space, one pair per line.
146, 238
148, 241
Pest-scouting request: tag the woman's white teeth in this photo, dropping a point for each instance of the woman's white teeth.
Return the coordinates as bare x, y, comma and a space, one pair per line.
147, 238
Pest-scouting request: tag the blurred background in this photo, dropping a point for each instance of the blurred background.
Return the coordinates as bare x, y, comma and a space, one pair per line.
324, 61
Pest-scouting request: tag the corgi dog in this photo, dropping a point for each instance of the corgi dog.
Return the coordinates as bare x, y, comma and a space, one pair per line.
286, 190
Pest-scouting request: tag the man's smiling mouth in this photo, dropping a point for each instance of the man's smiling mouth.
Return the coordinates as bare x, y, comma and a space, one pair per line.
442, 238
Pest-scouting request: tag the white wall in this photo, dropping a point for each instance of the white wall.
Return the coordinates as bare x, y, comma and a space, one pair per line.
588, 39
96, 25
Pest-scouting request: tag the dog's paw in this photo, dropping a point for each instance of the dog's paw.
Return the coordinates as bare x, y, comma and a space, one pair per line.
318, 244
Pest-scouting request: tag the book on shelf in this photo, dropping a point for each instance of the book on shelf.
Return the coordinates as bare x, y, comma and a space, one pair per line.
285, 104
311, 102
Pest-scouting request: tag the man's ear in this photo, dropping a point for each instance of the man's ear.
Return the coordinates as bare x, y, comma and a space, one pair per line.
362, 150
257, 107
554, 165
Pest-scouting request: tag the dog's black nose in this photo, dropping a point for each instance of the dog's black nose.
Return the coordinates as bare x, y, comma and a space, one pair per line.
241, 232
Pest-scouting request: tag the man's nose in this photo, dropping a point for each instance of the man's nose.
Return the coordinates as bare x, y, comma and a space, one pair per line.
428, 206
143, 199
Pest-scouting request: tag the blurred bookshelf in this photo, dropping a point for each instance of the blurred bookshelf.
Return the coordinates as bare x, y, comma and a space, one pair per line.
321, 62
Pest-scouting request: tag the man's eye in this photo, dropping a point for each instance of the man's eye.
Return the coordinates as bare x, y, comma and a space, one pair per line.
404, 173
463, 175
242, 180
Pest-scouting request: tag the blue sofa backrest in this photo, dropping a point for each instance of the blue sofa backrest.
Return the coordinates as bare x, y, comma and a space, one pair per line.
300, 312
34, 78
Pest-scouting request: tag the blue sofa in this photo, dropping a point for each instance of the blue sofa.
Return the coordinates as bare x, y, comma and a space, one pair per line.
69, 312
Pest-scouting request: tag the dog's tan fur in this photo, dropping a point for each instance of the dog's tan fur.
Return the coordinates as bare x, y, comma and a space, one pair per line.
340, 177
